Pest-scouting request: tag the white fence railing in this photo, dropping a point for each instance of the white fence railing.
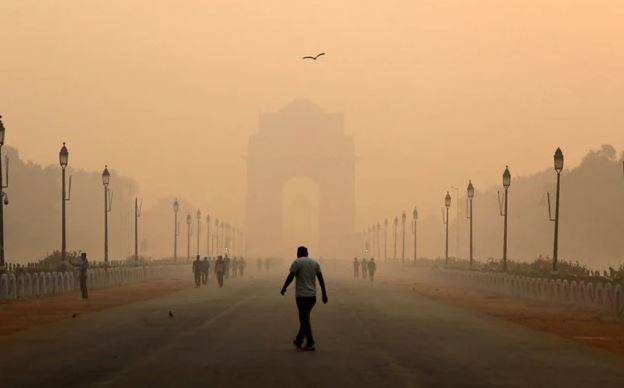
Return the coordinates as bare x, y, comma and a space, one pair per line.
26, 285
605, 296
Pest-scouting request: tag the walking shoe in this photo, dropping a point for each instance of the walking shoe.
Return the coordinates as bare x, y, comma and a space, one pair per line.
309, 347
297, 345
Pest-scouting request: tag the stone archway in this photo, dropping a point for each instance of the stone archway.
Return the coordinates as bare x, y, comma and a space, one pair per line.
300, 140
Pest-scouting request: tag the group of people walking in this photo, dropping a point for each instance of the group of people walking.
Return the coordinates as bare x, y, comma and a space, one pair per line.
222, 267
366, 267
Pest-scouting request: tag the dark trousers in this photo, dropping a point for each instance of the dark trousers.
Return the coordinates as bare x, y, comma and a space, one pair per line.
220, 278
83, 288
197, 279
305, 305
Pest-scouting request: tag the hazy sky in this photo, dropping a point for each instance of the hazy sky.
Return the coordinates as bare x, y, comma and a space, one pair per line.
434, 92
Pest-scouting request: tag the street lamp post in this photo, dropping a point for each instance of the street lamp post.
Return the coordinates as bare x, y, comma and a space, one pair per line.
415, 220
396, 223
107, 209
378, 240
137, 214
176, 207
366, 238
198, 216
503, 212
188, 236
4, 199
223, 239
470, 195
403, 232
217, 236
63, 161
447, 204
374, 243
456, 189
386, 239
558, 159
208, 235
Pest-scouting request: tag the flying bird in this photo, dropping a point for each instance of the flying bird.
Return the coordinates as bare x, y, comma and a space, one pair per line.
315, 57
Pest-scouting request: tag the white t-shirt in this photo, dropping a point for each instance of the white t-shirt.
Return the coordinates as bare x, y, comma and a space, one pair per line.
305, 270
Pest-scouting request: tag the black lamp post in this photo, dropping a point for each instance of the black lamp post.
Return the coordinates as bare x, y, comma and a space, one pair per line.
386, 239
137, 215
208, 235
198, 216
374, 245
4, 200
414, 225
176, 207
107, 209
470, 194
224, 228
396, 223
403, 244
188, 236
558, 159
447, 204
503, 212
378, 240
368, 240
63, 161
217, 236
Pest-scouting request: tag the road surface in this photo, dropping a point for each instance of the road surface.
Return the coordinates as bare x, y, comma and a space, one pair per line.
381, 334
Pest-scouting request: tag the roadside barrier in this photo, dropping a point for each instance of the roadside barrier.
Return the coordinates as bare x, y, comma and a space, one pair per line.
40, 284
605, 296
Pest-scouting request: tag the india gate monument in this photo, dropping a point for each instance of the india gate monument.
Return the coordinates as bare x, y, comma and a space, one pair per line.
300, 141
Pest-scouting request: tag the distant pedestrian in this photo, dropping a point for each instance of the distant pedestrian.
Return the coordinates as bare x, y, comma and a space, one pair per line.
364, 266
220, 270
234, 267
228, 266
241, 266
356, 268
305, 270
372, 267
83, 267
205, 271
197, 269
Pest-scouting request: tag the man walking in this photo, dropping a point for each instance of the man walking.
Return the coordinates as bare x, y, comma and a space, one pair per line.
372, 267
227, 264
197, 270
220, 270
305, 270
241, 266
205, 271
356, 268
234, 267
364, 268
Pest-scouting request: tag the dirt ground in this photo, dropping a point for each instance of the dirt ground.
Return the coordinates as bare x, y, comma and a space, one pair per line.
594, 328
23, 314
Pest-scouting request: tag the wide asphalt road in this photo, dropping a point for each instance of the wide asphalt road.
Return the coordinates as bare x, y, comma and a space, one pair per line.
381, 335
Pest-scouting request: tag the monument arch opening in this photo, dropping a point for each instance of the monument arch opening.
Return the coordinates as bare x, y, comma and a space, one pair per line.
300, 210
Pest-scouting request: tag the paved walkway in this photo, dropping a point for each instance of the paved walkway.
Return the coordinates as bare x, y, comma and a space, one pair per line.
368, 335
